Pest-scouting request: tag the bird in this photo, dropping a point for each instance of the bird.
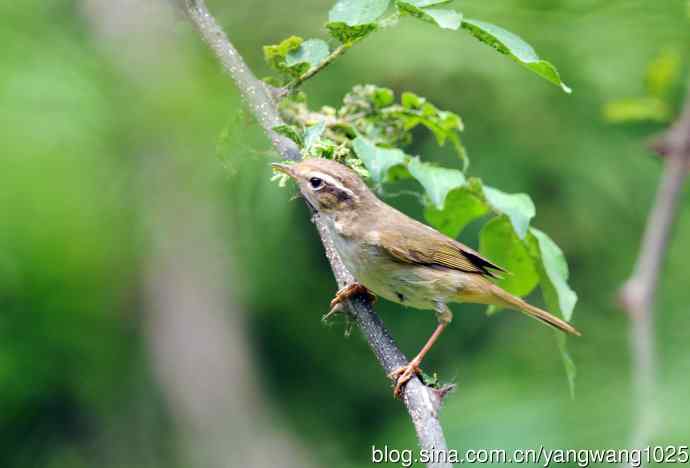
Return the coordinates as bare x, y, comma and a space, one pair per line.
396, 257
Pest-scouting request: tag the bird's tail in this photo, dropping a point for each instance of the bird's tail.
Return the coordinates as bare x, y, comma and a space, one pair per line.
505, 299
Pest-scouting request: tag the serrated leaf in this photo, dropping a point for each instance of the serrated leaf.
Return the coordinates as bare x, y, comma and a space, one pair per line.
498, 242
554, 271
313, 134
515, 47
350, 34
311, 52
276, 56
444, 18
461, 208
290, 132
377, 160
352, 20
517, 206
437, 181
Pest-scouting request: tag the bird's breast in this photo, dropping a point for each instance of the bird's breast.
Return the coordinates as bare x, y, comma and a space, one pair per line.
415, 286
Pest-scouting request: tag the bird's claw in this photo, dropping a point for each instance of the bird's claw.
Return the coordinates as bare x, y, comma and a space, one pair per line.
402, 375
338, 307
344, 294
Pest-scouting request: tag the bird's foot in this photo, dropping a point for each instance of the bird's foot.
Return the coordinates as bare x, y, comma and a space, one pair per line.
346, 293
403, 374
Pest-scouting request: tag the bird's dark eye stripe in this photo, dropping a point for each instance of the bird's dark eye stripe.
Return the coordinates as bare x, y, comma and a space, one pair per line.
315, 182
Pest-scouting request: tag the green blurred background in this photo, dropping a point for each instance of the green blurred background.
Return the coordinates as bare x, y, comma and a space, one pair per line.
160, 299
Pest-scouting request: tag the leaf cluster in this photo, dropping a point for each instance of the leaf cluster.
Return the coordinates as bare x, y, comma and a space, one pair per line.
350, 21
371, 112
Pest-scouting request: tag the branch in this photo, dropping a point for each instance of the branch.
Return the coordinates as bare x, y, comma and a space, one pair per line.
421, 402
638, 292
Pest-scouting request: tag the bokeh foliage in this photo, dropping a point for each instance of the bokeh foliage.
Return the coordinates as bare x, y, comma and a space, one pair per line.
75, 381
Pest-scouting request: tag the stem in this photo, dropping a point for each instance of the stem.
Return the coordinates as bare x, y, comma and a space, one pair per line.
337, 52
638, 293
421, 402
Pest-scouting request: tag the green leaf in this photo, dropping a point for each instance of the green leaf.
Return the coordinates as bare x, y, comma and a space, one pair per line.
352, 20
445, 125
462, 206
446, 19
377, 160
420, 111
515, 47
276, 56
411, 100
518, 207
350, 34
427, 3
559, 298
554, 272
498, 242
357, 12
437, 181
311, 52
290, 132
398, 173
382, 97
313, 134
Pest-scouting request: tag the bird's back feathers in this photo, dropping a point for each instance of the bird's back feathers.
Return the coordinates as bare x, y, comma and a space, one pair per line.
423, 245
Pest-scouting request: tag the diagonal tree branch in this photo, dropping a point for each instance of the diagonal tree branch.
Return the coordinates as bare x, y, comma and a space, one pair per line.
421, 402
638, 293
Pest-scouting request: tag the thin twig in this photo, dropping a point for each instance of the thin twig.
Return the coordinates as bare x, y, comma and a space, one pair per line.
421, 402
337, 52
638, 293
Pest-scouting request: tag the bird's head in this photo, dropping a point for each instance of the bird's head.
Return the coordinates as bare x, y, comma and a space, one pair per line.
328, 186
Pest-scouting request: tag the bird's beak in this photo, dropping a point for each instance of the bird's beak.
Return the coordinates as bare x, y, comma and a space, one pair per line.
284, 168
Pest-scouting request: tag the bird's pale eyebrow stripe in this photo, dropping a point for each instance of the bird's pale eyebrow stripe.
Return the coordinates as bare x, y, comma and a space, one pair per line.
332, 181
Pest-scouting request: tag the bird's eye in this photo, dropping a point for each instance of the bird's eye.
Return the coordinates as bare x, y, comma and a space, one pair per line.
315, 183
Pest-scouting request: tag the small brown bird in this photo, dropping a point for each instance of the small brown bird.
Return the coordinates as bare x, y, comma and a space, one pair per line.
398, 258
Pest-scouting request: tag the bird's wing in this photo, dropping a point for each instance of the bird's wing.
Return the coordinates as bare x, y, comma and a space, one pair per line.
424, 246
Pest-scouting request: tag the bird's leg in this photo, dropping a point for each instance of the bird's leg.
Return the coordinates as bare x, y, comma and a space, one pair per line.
403, 374
346, 293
